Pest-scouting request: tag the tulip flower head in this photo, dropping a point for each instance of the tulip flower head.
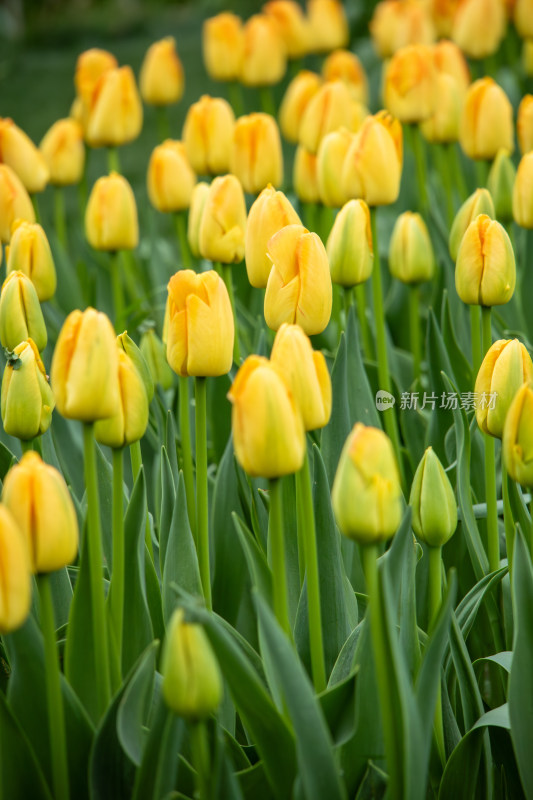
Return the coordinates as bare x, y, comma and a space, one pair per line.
487, 121
398, 23
485, 271
264, 56
479, 27
129, 424
292, 25
378, 142
154, 354
524, 124
20, 313
523, 192
223, 46
64, 152
29, 252
433, 502
15, 575
506, 366
331, 156
223, 221
410, 79
517, 440
115, 114
27, 400
25, 159
331, 108
269, 213
500, 183
305, 176
350, 248
343, 65
411, 257
297, 97
208, 135
256, 156
134, 353
196, 210
171, 178
14, 202
161, 80
111, 216
443, 124
90, 67
522, 18
329, 26
479, 202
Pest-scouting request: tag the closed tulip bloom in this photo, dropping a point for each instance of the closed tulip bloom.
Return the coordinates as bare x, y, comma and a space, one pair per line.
265, 56
256, 156
506, 366
305, 372
196, 210
15, 575
527, 57
20, 313
292, 25
111, 215
299, 285
523, 192
433, 502
297, 96
192, 683
443, 12
129, 424
517, 441
135, 354
64, 152
479, 202
161, 80
305, 176
154, 354
208, 134
200, 324
90, 67
115, 113
366, 493
29, 252
524, 124
350, 248
411, 257
343, 65
14, 202
398, 23
223, 221
39, 500
269, 213
171, 178
330, 164
27, 400
223, 46
443, 124
84, 372
331, 108
267, 426
500, 184
485, 272
18, 152
378, 142
410, 84
487, 121
449, 60
523, 18
479, 27
329, 26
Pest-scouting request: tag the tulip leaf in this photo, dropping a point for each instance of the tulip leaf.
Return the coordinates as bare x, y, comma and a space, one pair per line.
461, 366
68, 445
255, 559
7, 458
134, 706
168, 500
171, 445
20, 774
438, 362
361, 400
339, 426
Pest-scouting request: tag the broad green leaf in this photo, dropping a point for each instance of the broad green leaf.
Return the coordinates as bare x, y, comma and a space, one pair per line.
20, 775
336, 431
461, 366
253, 782
134, 706
255, 559
168, 500
361, 400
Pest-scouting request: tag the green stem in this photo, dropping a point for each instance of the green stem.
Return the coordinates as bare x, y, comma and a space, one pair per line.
117, 578
360, 304
347, 294
435, 600
457, 169
26, 445
163, 123
531, 529
136, 465
56, 714
417, 145
508, 518
266, 100
113, 161
475, 334
481, 168
227, 274
393, 748
389, 416
59, 215
300, 536
277, 555
94, 543
185, 434
493, 541
36, 210
201, 757
118, 291
236, 98
202, 511
446, 174
414, 328
181, 230
304, 489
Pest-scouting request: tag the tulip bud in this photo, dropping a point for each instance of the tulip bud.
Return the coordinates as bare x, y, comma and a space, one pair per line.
527, 57
449, 60
269, 213
330, 164
129, 424
523, 192
15, 576
200, 324
161, 80
378, 142
399, 23
38, 498
27, 400
256, 157
329, 26
517, 440
487, 121
171, 178
366, 492
506, 366
14, 202
485, 272
64, 152
265, 57
442, 12
18, 152
479, 27
297, 96
299, 285
21, 316
433, 502
479, 202
115, 113
331, 108
196, 210
411, 257
350, 249
343, 65
500, 184
134, 353
223, 46
111, 215
524, 124
29, 252
223, 221
192, 683
443, 124
305, 372
268, 430
292, 25
410, 84
208, 134
90, 67
523, 18
305, 177
153, 351
84, 372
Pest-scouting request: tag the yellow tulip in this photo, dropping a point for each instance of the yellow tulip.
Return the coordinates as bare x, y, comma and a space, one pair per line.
223, 46
135, 355
200, 329
256, 156
329, 26
27, 400
506, 366
115, 114
378, 142
208, 134
223, 221
292, 25
264, 57
18, 152
161, 80
14, 202
171, 178
111, 215
449, 60
485, 272
411, 257
129, 424
398, 23
343, 65
29, 252
305, 176
523, 18
154, 354
15, 575
410, 78
517, 441
443, 12
330, 164
196, 210
523, 192
331, 108
487, 121
527, 57
268, 430
39, 500
21, 316
443, 124
433, 502
479, 202
64, 152
500, 183
297, 96
350, 248
90, 67
299, 287
84, 372
479, 27
268, 214
524, 124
